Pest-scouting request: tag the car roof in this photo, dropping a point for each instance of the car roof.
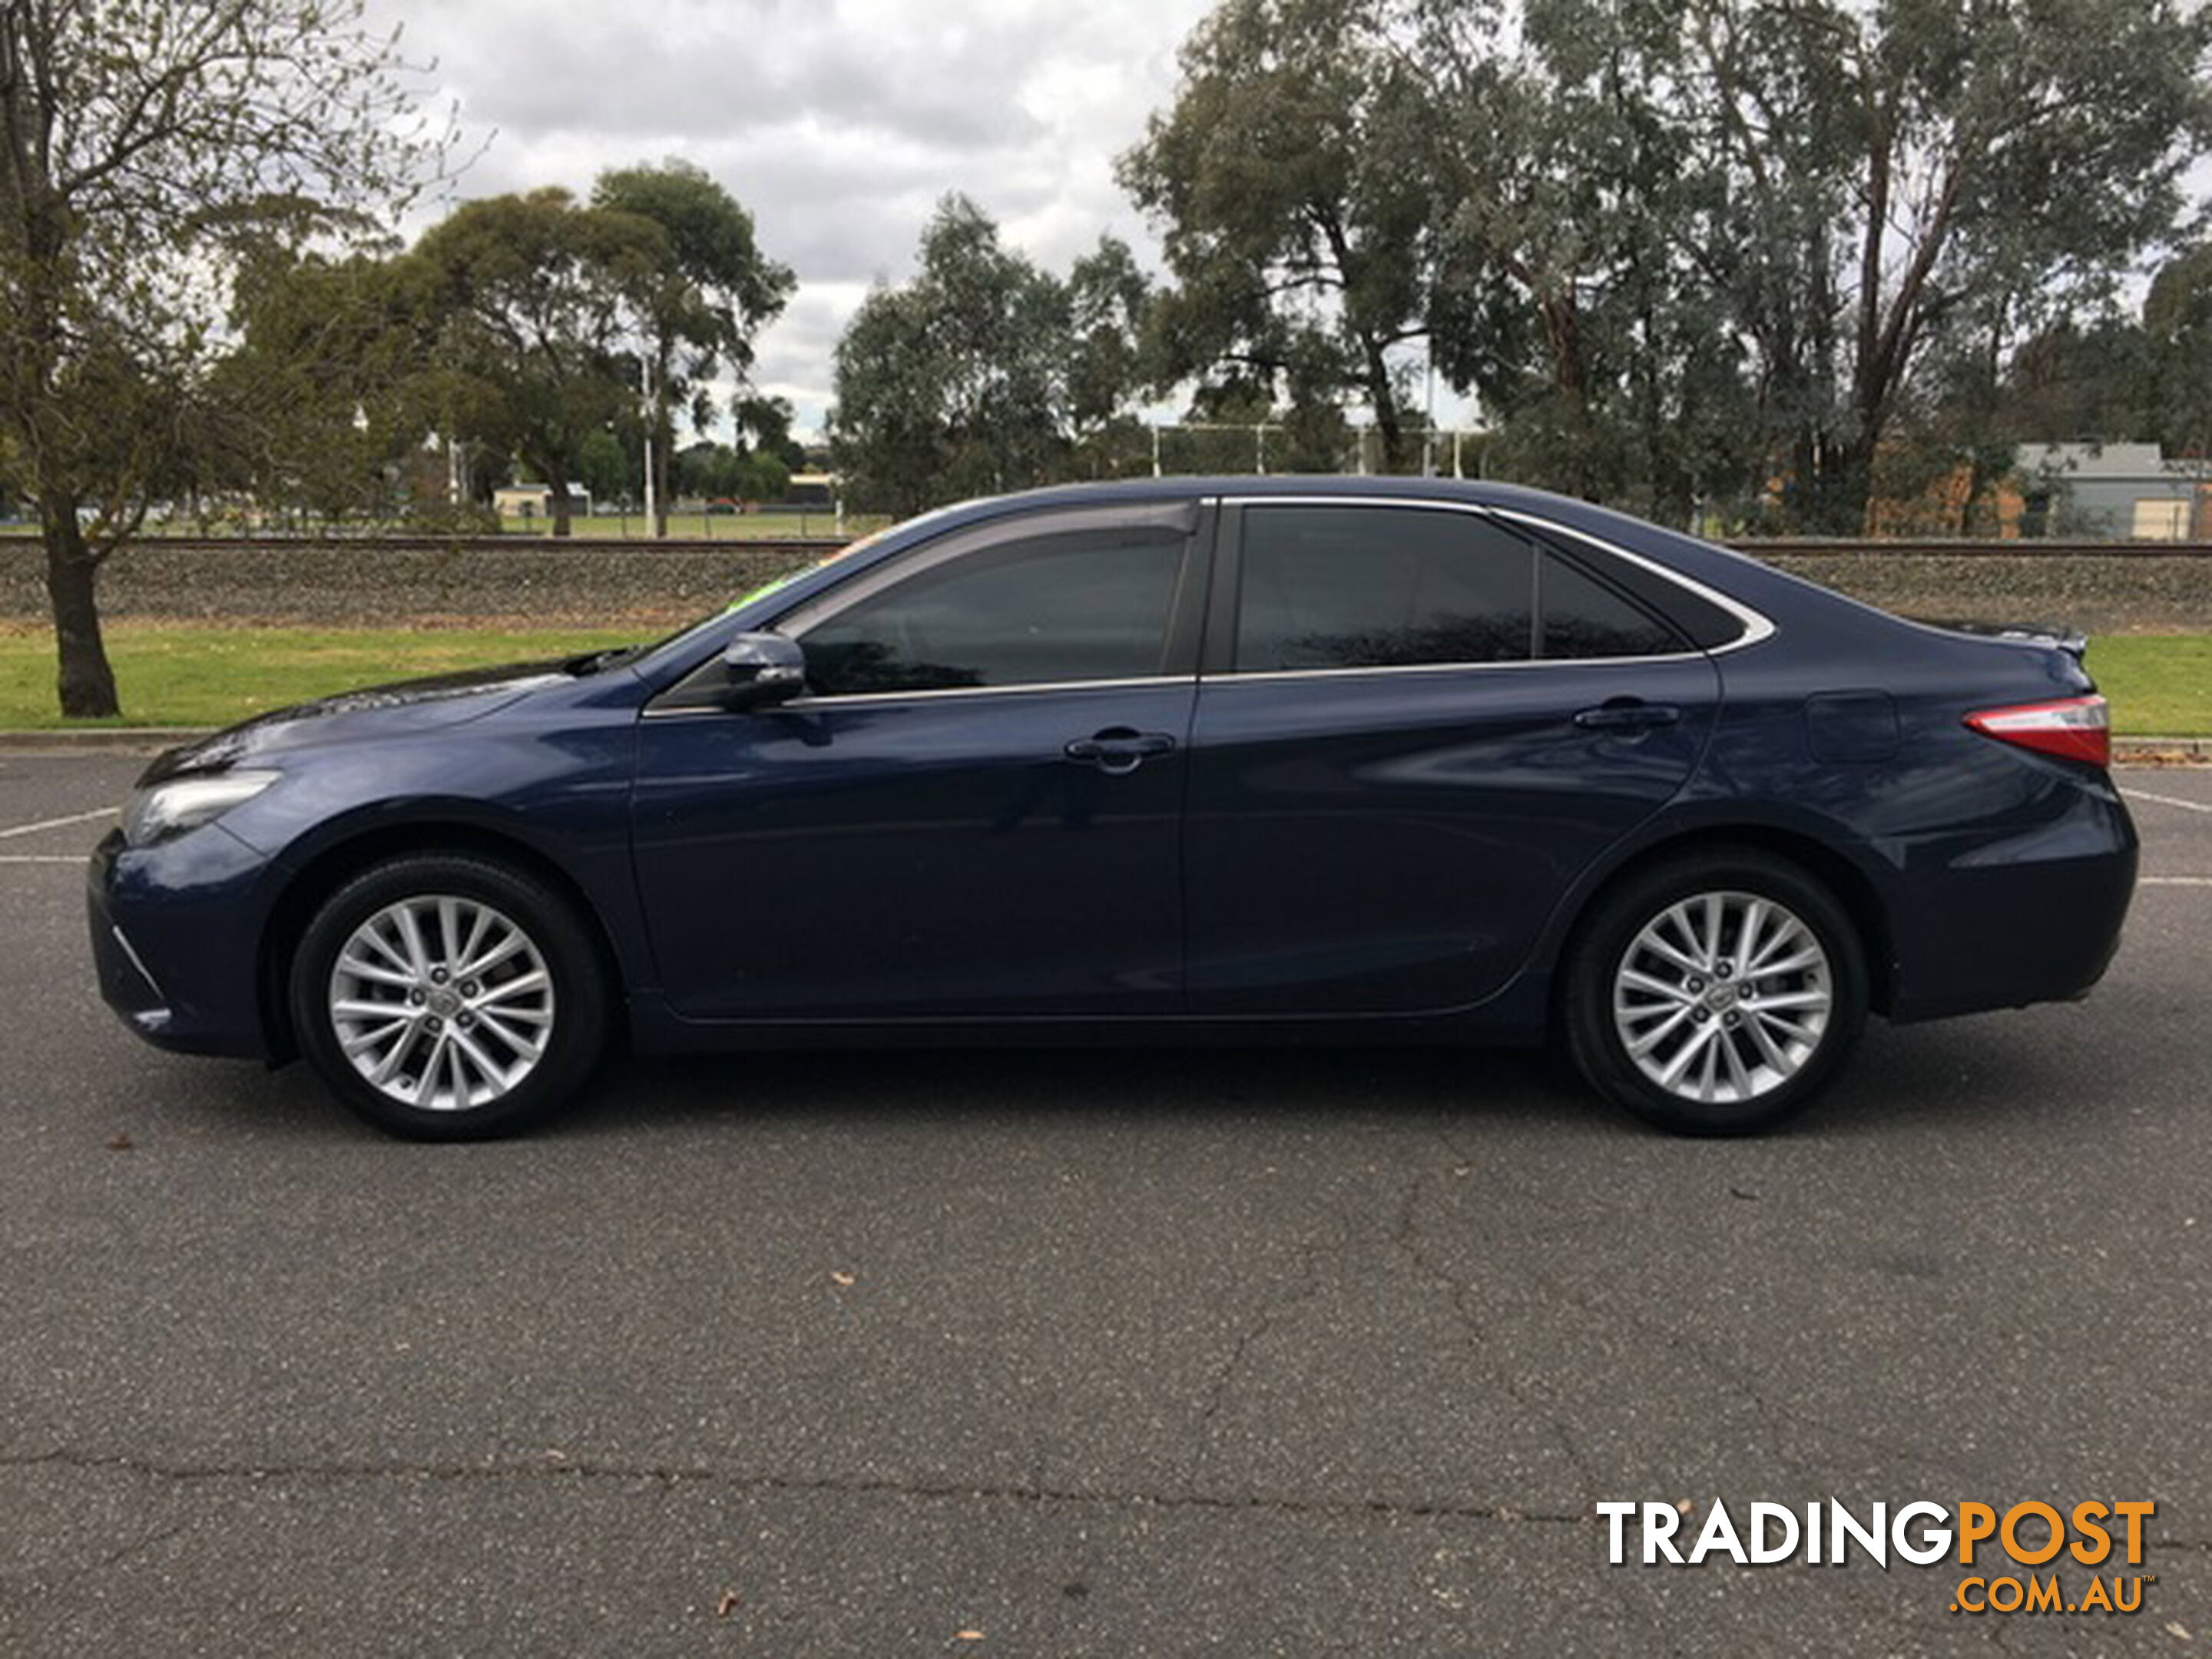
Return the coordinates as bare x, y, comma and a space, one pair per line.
1178, 487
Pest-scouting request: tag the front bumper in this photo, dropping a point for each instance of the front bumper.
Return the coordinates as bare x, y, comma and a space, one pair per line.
174, 933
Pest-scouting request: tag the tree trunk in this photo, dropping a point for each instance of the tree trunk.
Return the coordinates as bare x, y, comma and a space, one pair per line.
1388, 424
557, 484
661, 441
85, 682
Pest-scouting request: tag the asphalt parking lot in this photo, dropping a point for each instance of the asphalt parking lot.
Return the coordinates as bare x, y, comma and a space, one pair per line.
1115, 1353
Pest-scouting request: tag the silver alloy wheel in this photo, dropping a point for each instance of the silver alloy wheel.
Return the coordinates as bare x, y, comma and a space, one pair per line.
1723, 997
441, 1003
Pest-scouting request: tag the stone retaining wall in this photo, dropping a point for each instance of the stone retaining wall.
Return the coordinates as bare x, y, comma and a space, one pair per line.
584, 583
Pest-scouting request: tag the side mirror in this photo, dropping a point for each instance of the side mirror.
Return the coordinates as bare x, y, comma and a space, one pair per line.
762, 669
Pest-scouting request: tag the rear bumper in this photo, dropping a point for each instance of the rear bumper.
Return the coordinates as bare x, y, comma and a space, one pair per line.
2033, 917
173, 928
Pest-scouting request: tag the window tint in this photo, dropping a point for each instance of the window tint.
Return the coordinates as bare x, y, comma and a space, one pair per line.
1376, 587
1698, 621
1086, 606
1584, 618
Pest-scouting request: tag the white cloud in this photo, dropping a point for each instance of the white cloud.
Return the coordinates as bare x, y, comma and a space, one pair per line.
839, 124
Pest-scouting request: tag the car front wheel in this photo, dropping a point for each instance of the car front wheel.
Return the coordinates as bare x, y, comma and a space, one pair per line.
1715, 993
446, 997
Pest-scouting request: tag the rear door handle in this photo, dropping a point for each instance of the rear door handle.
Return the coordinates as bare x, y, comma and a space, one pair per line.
1118, 749
1627, 713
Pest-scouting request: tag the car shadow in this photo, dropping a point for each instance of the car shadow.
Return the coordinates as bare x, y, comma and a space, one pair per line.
1970, 1072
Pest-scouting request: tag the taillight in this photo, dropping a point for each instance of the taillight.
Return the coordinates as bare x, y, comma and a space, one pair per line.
2073, 728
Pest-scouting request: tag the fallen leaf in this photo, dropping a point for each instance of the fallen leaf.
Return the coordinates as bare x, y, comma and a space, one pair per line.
120, 1143
966, 1635
2178, 1632
1688, 1506
843, 1280
727, 1605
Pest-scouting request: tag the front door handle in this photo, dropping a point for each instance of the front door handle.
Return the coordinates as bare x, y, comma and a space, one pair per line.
1118, 749
1627, 715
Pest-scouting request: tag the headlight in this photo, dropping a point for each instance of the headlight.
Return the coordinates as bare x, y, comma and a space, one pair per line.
184, 803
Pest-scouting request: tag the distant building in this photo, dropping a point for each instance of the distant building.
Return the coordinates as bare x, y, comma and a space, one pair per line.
811, 489
2126, 491
535, 500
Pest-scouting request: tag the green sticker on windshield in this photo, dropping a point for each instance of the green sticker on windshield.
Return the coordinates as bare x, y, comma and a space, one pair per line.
763, 591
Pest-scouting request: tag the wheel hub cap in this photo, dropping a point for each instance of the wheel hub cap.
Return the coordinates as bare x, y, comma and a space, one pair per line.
1723, 997
441, 1003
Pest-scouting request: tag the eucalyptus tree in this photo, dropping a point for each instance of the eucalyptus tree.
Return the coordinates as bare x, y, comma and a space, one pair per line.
698, 314
142, 142
1296, 221
1897, 174
535, 293
955, 383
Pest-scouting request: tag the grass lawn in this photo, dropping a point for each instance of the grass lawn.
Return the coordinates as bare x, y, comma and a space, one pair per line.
2161, 684
202, 676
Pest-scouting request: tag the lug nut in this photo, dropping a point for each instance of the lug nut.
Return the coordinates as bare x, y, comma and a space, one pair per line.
437, 1024
1725, 969
468, 988
437, 976
1730, 1019
1693, 984
465, 1021
415, 997
1701, 1014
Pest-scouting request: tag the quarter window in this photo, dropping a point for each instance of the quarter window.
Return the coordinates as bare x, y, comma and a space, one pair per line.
1084, 606
1583, 618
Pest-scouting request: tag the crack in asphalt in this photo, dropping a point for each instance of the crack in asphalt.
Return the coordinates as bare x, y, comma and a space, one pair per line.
1406, 1239
833, 1486
1307, 1256
1783, 1424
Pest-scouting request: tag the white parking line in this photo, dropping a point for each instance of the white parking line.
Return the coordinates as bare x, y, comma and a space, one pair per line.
2174, 881
41, 858
56, 823
2167, 800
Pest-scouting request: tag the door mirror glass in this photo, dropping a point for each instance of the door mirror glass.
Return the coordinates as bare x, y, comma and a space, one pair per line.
760, 670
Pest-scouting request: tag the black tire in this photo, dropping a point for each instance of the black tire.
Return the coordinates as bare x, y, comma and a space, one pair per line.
1603, 941
572, 963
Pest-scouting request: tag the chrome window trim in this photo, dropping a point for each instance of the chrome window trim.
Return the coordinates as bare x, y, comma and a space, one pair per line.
876, 699
1757, 626
1261, 675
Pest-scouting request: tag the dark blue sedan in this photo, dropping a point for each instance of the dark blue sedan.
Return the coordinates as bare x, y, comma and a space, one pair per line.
1247, 759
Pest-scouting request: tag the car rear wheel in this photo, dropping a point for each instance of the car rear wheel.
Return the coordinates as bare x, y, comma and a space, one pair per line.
445, 996
1715, 993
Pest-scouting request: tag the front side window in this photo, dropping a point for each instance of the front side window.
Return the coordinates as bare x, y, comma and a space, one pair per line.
1078, 605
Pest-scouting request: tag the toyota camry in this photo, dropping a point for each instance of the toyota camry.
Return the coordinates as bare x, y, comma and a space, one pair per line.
1235, 760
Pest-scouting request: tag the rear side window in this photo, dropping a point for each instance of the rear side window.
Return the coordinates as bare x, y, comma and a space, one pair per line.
1380, 587
1085, 605
1388, 587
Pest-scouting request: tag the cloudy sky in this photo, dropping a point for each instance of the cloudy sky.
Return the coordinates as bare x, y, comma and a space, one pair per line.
838, 123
